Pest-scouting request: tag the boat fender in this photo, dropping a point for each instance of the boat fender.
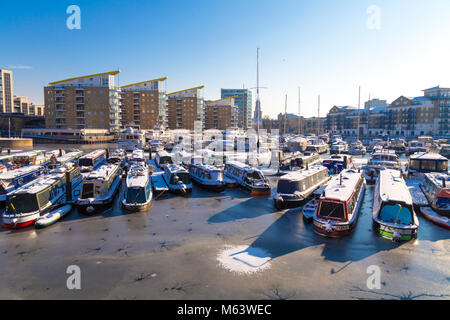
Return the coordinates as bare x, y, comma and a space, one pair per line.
90, 209
14, 221
328, 227
396, 236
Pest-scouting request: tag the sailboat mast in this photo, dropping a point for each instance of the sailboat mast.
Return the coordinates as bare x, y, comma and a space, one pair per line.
285, 114
359, 105
298, 110
318, 116
257, 90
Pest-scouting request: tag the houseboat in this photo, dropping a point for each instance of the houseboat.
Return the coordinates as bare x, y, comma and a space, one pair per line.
445, 150
339, 147
436, 187
339, 205
177, 179
131, 139
27, 158
159, 185
387, 159
29, 202
295, 188
415, 146
98, 189
297, 144
297, 160
335, 138
249, 178
310, 208
138, 157
14, 179
426, 162
162, 158
208, 177
393, 211
138, 194
92, 160
317, 145
380, 143
71, 156
119, 157
336, 163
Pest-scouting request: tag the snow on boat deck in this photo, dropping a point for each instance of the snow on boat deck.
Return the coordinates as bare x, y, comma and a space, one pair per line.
417, 195
336, 191
393, 187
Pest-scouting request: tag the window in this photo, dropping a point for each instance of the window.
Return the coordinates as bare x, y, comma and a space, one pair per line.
334, 210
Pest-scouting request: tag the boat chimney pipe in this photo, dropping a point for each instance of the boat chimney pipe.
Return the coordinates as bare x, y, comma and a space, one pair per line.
68, 187
443, 182
340, 179
107, 153
60, 152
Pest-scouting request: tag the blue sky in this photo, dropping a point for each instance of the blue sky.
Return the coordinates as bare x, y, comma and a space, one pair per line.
325, 47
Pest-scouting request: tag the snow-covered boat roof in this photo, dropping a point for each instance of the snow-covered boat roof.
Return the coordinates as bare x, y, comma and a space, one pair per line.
41, 183
137, 154
297, 139
385, 152
437, 178
427, 156
336, 191
137, 176
339, 157
302, 174
206, 167
93, 154
131, 131
163, 153
11, 174
29, 153
393, 187
242, 166
69, 156
174, 169
103, 173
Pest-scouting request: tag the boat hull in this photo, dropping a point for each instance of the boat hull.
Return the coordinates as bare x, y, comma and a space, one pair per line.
57, 214
209, 187
288, 204
434, 217
136, 207
20, 222
394, 233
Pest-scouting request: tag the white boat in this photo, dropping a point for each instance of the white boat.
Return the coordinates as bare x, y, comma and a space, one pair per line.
248, 177
309, 210
138, 194
296, 160
387, 159
318, 146
436, 218
13, 179
131, 139
92, 160
137, 157
208, 177
357, 149
98, 189
295, 188
177, 179
29, 202
339, 147
71, 156
162, 158
53, 216
426, 162
416, 146
119, 156
27, 158
393, 212
340, 203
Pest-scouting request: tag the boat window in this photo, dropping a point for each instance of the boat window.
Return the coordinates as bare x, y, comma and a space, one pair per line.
254, 175
85, 162
182, 176
44, 196
289, 187
415, 164
396, 213
136, 195
333, 210
442, 166
24, 202
429, 165
87, 190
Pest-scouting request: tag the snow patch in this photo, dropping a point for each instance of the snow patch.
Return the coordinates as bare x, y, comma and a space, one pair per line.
244, 259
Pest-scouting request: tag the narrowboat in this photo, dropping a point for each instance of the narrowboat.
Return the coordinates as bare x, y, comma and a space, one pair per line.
138, 157
92, 160
294, 188
29, 202
14, 179
436, 187
131, 139
393, 212
387, 159
445, 151
98, 189
426, 162
297, 160
27, 158
71, 156
249, 178
336, 163
162, 158
138, 194
340, 203
297, 144
159, 185
177, 179
208, 177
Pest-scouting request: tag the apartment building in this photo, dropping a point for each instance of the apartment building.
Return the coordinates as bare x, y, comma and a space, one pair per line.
6, 91
21, 105
221, 114
86, 102
144, 104
184, 108
404, 117
35, 110
243, 102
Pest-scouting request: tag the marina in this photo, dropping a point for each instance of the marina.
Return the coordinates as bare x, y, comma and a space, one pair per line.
187, 223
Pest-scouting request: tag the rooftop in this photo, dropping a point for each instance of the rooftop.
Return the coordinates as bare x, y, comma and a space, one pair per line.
199, 87
142, 82
393, 187
113, 73
342, 192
